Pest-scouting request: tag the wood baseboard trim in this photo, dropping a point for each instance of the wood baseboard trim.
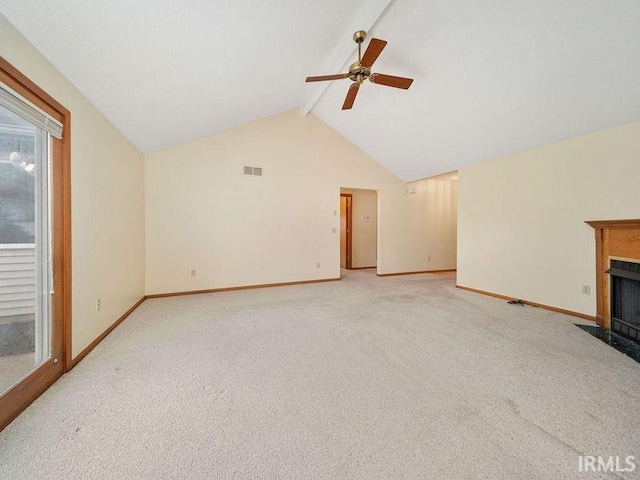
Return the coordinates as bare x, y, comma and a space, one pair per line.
362, 268
414, 273
93, 344
242, 287
532, 304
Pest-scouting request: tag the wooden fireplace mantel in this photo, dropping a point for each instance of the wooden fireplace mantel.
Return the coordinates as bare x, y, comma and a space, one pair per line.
618, 239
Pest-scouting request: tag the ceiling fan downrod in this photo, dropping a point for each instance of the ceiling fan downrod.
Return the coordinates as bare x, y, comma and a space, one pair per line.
359, 37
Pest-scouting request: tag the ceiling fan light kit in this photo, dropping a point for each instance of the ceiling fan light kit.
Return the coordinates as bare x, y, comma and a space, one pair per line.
360, 70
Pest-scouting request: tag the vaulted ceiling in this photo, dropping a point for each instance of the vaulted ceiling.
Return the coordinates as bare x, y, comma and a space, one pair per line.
492, 77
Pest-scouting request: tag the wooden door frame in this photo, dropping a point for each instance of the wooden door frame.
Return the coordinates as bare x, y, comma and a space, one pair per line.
24, 393
349, 215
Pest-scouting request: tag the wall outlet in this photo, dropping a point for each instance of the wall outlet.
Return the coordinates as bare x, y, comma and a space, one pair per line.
318, 265
334, 230
98, 305
428, 258
193, 273
586, 289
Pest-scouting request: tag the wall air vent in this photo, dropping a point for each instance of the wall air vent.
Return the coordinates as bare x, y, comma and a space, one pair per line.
256, 171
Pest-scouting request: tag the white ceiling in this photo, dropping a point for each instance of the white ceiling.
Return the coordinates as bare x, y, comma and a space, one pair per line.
169, 71
491, 76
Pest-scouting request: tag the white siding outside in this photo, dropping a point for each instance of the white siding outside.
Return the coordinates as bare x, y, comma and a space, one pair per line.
17, 279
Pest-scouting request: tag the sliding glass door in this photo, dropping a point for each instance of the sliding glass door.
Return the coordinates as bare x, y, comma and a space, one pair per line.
25, 248
35, 235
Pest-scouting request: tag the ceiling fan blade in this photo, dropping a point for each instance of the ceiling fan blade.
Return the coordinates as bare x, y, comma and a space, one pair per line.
390, 80
324, 78
373, 50
351, 96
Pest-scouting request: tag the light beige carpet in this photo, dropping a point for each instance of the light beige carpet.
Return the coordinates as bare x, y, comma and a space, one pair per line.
367, 378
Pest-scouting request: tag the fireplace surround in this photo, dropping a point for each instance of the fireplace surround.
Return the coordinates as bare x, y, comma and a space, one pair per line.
617, 251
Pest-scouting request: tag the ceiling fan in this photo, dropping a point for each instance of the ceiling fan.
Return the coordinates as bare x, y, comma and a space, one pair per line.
361, 70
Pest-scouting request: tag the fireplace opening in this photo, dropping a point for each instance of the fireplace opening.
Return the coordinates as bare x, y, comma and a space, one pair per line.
625, 298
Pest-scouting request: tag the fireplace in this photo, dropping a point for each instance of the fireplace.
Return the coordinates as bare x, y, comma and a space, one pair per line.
625, 298
618, 276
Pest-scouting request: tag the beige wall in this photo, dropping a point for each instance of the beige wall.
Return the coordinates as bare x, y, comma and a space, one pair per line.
364, 245
203, 214
435, 201
521, 218
107, 176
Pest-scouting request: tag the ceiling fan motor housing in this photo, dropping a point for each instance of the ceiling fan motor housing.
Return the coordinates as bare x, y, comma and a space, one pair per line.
358, 73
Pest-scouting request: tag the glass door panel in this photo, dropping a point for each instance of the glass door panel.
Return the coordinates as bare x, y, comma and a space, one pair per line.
25, 253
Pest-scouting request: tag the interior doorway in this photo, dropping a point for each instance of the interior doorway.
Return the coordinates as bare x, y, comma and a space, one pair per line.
358, 228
